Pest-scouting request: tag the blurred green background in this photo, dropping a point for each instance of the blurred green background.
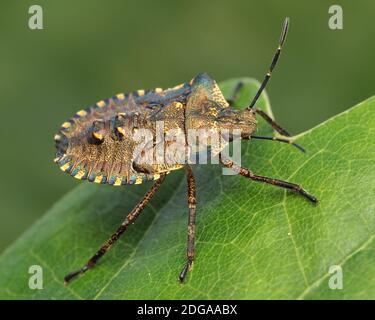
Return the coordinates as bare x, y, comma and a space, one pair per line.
94, 49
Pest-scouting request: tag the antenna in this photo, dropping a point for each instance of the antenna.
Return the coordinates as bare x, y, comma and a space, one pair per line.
273, 63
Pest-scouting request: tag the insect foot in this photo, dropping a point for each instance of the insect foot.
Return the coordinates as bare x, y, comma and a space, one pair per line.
273, 181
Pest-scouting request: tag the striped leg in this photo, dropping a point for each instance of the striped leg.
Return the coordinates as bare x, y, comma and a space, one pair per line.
279, 140
190, 252
131, 217
272, 122
276, 182
235, 93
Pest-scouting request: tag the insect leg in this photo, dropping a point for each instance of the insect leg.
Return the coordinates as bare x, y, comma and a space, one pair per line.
276, 182
191, 223
131, 217
235, 92
273, 124
273, 63
280, 140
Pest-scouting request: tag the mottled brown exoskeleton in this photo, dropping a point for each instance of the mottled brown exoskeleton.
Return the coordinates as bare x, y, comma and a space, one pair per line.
99, 144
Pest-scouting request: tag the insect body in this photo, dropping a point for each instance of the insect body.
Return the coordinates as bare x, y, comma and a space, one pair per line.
102, 143
98, 143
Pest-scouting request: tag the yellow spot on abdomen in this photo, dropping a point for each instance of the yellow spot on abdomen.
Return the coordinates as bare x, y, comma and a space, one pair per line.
158, 90
65, 166
120, 96
178, 86
82, 113
98, 179
80, 174
66, 125
97, 135
138, 180
118, 181
141, 93
121, 130
101, 104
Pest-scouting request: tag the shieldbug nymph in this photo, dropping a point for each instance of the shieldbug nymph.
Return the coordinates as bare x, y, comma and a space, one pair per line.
99, 143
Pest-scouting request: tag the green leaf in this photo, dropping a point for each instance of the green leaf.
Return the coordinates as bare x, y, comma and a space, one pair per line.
253, 240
